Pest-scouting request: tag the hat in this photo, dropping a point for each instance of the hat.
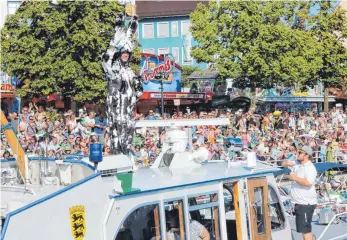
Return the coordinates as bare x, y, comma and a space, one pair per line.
307, 150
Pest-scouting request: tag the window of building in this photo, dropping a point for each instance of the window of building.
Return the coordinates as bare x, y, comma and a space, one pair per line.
147, 30
176, 54
163, 51
174, 216
185, 25
148, 50
174, 29
143, 223
186, 58
204, 217
163, 29
12, 7
276, 213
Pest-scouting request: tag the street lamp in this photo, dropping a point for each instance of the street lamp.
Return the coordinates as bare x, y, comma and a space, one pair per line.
161, 76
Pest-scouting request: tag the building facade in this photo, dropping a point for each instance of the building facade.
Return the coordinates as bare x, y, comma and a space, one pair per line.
7, 7
164, 29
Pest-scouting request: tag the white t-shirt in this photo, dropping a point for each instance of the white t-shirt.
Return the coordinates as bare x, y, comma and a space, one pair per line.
88, 120
262, 149
312, 132
301, 194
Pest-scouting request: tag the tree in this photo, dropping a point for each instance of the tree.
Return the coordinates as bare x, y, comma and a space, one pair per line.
186, 71
329, 27
254, 43
57, 48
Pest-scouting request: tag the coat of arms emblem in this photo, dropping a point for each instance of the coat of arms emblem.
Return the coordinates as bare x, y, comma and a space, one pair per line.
77, 222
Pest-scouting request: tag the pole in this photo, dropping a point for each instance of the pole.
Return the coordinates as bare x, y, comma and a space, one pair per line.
162, 97
326, 99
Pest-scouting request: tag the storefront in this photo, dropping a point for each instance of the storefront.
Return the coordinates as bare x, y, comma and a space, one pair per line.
161, 72
9, 101
282, 98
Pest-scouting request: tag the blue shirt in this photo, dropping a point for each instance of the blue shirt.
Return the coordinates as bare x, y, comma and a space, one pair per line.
15, 106
103, 124
151, 117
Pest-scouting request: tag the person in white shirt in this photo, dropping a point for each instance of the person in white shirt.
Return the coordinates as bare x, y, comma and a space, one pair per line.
313, 131
89, 123
303, 192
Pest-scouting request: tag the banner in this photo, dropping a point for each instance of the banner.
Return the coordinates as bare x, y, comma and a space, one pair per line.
178, 95
155, 69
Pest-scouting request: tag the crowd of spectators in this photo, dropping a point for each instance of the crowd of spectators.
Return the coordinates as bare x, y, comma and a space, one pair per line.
273, 135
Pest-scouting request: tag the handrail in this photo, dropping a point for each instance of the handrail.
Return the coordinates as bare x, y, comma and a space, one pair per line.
25, 189
331, 221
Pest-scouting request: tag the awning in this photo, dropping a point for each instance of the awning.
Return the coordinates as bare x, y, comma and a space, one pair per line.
297, 99
172, 95
321, 167
7, 95
206, 74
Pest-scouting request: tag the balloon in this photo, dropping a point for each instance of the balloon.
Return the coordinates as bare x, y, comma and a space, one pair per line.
277, 113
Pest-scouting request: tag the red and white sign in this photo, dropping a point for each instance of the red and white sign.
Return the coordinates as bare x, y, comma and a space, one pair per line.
7, 88
178, 95
164, 67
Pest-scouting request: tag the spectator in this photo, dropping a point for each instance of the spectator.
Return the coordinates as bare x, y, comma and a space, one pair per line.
151, 116
100, 127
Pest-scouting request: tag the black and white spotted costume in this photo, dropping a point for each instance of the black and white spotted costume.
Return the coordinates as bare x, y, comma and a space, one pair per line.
124, 87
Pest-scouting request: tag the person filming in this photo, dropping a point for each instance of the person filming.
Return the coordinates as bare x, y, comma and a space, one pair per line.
303, 192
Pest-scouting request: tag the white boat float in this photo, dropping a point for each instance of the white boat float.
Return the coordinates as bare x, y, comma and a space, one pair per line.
70, 199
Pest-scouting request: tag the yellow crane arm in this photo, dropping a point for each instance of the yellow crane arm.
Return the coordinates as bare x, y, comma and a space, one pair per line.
14, 145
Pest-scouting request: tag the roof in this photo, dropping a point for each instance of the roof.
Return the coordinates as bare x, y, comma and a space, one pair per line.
165, 8
156, 179
339, 93
207, 74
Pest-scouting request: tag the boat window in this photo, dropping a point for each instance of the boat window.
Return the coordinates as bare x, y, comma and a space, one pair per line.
142, 224
204, 217
258, 207
276, 213
230, 211
202, 199
174, 215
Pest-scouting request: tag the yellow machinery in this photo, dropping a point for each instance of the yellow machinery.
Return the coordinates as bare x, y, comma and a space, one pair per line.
15, 146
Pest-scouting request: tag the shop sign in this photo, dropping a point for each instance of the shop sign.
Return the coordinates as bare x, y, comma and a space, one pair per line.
6, 88
130, 10
178, 95
150, 72
177, 102
206, 86
300, 94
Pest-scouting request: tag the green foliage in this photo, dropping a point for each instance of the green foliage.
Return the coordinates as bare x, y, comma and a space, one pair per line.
186, 71
136, 60
57, 48
329, 28
263, 43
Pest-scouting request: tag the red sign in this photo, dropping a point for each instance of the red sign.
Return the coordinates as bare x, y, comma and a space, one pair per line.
164, 67
178, 95
6, 88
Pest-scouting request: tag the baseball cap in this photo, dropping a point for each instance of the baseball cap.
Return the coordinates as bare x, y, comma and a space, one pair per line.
306, 149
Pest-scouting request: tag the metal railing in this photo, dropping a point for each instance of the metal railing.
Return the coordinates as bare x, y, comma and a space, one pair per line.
331, 221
